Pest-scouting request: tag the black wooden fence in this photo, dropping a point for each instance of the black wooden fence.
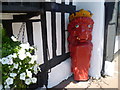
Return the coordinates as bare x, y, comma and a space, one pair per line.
39, 8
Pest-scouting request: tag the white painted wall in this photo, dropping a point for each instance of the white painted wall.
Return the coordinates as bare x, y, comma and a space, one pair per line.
117, 44
59, 73
97, 8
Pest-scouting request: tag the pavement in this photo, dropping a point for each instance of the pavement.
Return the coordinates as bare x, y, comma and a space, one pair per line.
104, 83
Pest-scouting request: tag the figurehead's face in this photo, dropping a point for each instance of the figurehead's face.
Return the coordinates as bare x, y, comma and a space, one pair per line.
81, 28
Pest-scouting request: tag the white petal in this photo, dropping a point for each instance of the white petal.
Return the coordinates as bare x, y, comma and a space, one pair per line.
28, 81
22, 76
10, 61
21, 51
28, 54
34, 80
4, 61
29, 74
15, 65
14, 55
22, 56
13, 74
25, 46
9, 81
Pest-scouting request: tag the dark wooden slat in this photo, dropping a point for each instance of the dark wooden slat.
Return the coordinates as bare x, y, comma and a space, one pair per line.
63, 32
56, 7
37, 7
29, 29
21, 20
53, 24
45, 48
19, 9
25, 16
8, 27
44, 36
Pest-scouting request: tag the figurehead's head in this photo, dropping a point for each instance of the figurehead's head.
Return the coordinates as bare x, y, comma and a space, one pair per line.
81, 25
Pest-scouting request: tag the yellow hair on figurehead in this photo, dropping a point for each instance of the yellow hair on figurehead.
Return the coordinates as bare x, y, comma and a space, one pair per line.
80, 13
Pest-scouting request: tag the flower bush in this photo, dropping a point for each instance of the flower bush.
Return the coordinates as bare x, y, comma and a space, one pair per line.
18, 63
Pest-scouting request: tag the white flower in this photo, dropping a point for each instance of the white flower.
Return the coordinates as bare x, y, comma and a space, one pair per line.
28, 81
15, 65
1, 86
9, 81
10, 61
9, 57
7, 86
31, 48
21, 51
34, 58
22, 56
29, 74
4, 61
22, 76
14, 39
14, 55
28, 54
25, 46
35, 68
34, 80
13, 74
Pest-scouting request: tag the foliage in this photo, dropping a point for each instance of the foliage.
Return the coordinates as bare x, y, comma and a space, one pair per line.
18, 63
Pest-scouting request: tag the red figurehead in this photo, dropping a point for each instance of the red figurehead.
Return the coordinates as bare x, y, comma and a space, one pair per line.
80, 46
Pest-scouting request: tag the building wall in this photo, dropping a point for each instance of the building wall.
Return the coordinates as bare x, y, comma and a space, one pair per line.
63, 70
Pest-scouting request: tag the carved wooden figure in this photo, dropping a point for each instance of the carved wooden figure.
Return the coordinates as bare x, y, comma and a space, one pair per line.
80, 45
